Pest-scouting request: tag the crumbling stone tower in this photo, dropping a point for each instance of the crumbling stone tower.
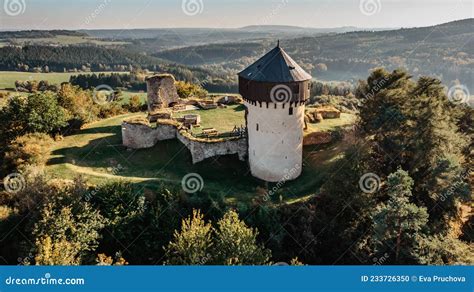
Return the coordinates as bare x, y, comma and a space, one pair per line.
161, 91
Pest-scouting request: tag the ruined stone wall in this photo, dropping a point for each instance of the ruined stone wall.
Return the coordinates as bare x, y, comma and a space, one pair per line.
161, 91
139, 136
201, 150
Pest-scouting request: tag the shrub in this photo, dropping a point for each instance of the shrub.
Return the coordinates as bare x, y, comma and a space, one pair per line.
78, 103
187, 90
30, 149
135, 104
109, 110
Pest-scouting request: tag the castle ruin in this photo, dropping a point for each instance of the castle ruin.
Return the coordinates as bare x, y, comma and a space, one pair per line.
274, 90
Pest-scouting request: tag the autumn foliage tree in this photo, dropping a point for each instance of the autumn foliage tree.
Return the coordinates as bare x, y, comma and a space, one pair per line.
231, 243
192, 245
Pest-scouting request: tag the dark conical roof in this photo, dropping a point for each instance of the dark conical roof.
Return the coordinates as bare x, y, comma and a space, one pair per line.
276, 66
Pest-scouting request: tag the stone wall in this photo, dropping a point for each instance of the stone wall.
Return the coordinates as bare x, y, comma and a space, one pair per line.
202, 149
141, 135
161, 92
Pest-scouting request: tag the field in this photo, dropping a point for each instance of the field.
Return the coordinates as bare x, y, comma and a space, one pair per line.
60, 40
8, 78
96, 153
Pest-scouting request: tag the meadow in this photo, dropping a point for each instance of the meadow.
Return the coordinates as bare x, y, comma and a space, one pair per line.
8, 78
223, 120
60, 40
96, 153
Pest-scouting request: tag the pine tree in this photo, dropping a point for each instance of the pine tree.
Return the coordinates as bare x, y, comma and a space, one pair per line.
413, 125
435, 152
398, 222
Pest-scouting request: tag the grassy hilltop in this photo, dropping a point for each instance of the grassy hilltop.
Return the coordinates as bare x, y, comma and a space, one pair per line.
96, 152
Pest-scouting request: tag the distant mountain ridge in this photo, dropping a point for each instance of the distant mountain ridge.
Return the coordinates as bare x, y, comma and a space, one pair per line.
445, 51
306, 30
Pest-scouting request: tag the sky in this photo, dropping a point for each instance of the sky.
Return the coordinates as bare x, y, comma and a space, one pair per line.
127, 14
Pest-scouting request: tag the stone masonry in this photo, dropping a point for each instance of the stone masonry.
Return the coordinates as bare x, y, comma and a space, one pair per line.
161, 91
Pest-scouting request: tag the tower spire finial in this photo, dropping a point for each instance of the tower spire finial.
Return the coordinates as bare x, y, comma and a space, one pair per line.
278, 43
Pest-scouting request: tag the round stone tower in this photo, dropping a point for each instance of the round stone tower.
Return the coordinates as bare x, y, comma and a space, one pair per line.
275, 89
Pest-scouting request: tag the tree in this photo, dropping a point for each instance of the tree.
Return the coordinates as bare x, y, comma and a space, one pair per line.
435, 153
43, 114
341, 212
321, 67
397, 222
192, 245
236, 243
231, 243
104, 260
443, 250
382, 115
36, 113
72, 228
78, 104
189, 90
123, 208
30, 149
413, 125
135, 104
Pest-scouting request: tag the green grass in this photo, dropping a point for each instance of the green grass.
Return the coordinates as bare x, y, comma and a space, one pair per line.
8, 78
223, 120
96, 153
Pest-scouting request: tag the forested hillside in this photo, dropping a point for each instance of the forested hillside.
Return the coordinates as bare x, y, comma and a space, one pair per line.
87, 58
440, 50
32, 34
213, 57
153, 40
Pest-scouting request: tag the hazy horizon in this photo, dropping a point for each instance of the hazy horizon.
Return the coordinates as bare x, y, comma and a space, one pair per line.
156, 14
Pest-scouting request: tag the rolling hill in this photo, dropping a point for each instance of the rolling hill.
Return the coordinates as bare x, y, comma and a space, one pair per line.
445, 50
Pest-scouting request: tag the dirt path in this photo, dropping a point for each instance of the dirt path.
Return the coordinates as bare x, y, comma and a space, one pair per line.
88, 171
